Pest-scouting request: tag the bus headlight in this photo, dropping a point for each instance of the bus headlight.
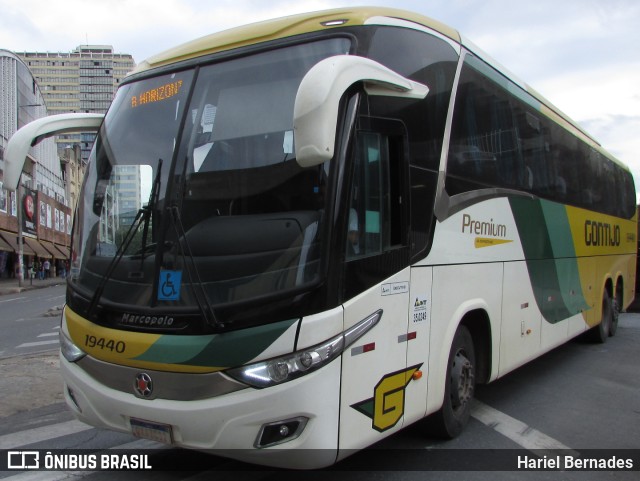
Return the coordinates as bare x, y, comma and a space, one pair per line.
70, 351
286, 368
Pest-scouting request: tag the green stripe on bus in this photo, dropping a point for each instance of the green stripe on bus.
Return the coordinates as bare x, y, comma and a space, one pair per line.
564, 253
218, 350
549, 252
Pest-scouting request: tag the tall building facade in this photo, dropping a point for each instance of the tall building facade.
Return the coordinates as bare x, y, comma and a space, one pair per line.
83, 80
41, 202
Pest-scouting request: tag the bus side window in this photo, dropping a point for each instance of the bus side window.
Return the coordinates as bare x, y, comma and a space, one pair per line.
371, 213
365, 236
377, 212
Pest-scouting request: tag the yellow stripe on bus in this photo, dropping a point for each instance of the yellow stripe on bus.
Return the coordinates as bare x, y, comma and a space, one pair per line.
121, 347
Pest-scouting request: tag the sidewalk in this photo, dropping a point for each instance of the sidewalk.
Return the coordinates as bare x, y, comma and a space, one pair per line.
30, 382
10, 286
33, 380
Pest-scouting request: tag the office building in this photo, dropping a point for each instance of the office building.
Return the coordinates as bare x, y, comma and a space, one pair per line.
83, 80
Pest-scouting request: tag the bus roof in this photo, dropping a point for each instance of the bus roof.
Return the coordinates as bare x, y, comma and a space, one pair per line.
286, 27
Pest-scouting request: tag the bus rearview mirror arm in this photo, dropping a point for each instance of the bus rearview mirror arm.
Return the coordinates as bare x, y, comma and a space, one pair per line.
38, 130
315, 112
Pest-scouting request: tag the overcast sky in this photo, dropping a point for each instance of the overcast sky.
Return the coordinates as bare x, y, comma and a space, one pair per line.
583, 55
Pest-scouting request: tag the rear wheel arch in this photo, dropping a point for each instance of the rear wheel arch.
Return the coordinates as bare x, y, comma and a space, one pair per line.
608, 320
617, 305
608, 286
619, 292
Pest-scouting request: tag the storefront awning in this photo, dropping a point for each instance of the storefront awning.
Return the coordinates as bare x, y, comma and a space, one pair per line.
11, 239
53, 252
64, 250
37, 247
4, 246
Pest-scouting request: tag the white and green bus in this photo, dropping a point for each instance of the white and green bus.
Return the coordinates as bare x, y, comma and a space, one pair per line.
346, 219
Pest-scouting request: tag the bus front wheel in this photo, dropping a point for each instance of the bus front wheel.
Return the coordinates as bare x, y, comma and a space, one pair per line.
459, 388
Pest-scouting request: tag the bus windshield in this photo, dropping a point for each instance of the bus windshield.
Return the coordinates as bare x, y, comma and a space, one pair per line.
193, 194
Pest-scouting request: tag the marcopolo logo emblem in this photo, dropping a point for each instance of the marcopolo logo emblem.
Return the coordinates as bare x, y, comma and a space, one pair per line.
143, 384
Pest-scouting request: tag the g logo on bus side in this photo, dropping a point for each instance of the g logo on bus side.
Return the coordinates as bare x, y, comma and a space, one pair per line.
386, 407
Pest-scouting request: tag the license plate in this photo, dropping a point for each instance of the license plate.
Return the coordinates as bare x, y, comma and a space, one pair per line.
150, 430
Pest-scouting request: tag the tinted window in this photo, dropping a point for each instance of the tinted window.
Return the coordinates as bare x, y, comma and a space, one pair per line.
430, 61
500, 138
376, 244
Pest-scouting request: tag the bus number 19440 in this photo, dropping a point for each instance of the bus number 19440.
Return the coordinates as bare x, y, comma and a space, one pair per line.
106, 344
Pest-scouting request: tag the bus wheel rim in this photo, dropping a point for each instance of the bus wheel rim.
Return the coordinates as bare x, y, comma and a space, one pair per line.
462, 380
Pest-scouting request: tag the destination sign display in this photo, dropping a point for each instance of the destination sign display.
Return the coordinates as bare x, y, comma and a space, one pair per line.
157, 94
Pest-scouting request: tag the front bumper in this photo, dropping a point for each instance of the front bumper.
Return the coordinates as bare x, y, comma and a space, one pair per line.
229, 424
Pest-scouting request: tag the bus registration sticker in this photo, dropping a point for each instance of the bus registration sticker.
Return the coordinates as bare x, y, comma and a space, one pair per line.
395, 288
169, 285
420, 311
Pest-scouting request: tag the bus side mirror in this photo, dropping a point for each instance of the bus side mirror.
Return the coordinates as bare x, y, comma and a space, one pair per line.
315, 112
38, 130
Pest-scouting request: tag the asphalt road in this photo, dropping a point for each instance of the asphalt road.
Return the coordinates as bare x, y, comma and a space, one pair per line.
578, 398
30, 320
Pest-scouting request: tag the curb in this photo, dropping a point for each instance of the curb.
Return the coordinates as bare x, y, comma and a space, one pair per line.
5, 290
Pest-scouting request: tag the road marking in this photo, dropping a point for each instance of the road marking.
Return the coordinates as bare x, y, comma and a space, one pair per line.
14, 299
49, 334
46, 476
44, 433
517, 431
39, 343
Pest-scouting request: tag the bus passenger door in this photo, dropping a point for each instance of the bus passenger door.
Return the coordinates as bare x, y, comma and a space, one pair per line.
375, 375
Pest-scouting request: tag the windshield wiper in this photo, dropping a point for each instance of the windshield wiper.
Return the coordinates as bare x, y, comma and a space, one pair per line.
199, 293
151, 204
148, 212
143, 215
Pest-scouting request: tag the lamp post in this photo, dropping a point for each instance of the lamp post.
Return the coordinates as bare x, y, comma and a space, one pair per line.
20, 240
20, 207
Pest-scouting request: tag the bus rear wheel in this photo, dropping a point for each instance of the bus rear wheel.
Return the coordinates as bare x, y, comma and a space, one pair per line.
450, 421
617, 309
602, 331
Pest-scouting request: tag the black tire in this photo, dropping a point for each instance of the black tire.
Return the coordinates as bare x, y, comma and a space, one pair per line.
601, 332
617, 309
452, 418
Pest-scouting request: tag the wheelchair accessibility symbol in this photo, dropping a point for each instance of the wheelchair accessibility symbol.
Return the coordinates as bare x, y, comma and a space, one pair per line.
169, 285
